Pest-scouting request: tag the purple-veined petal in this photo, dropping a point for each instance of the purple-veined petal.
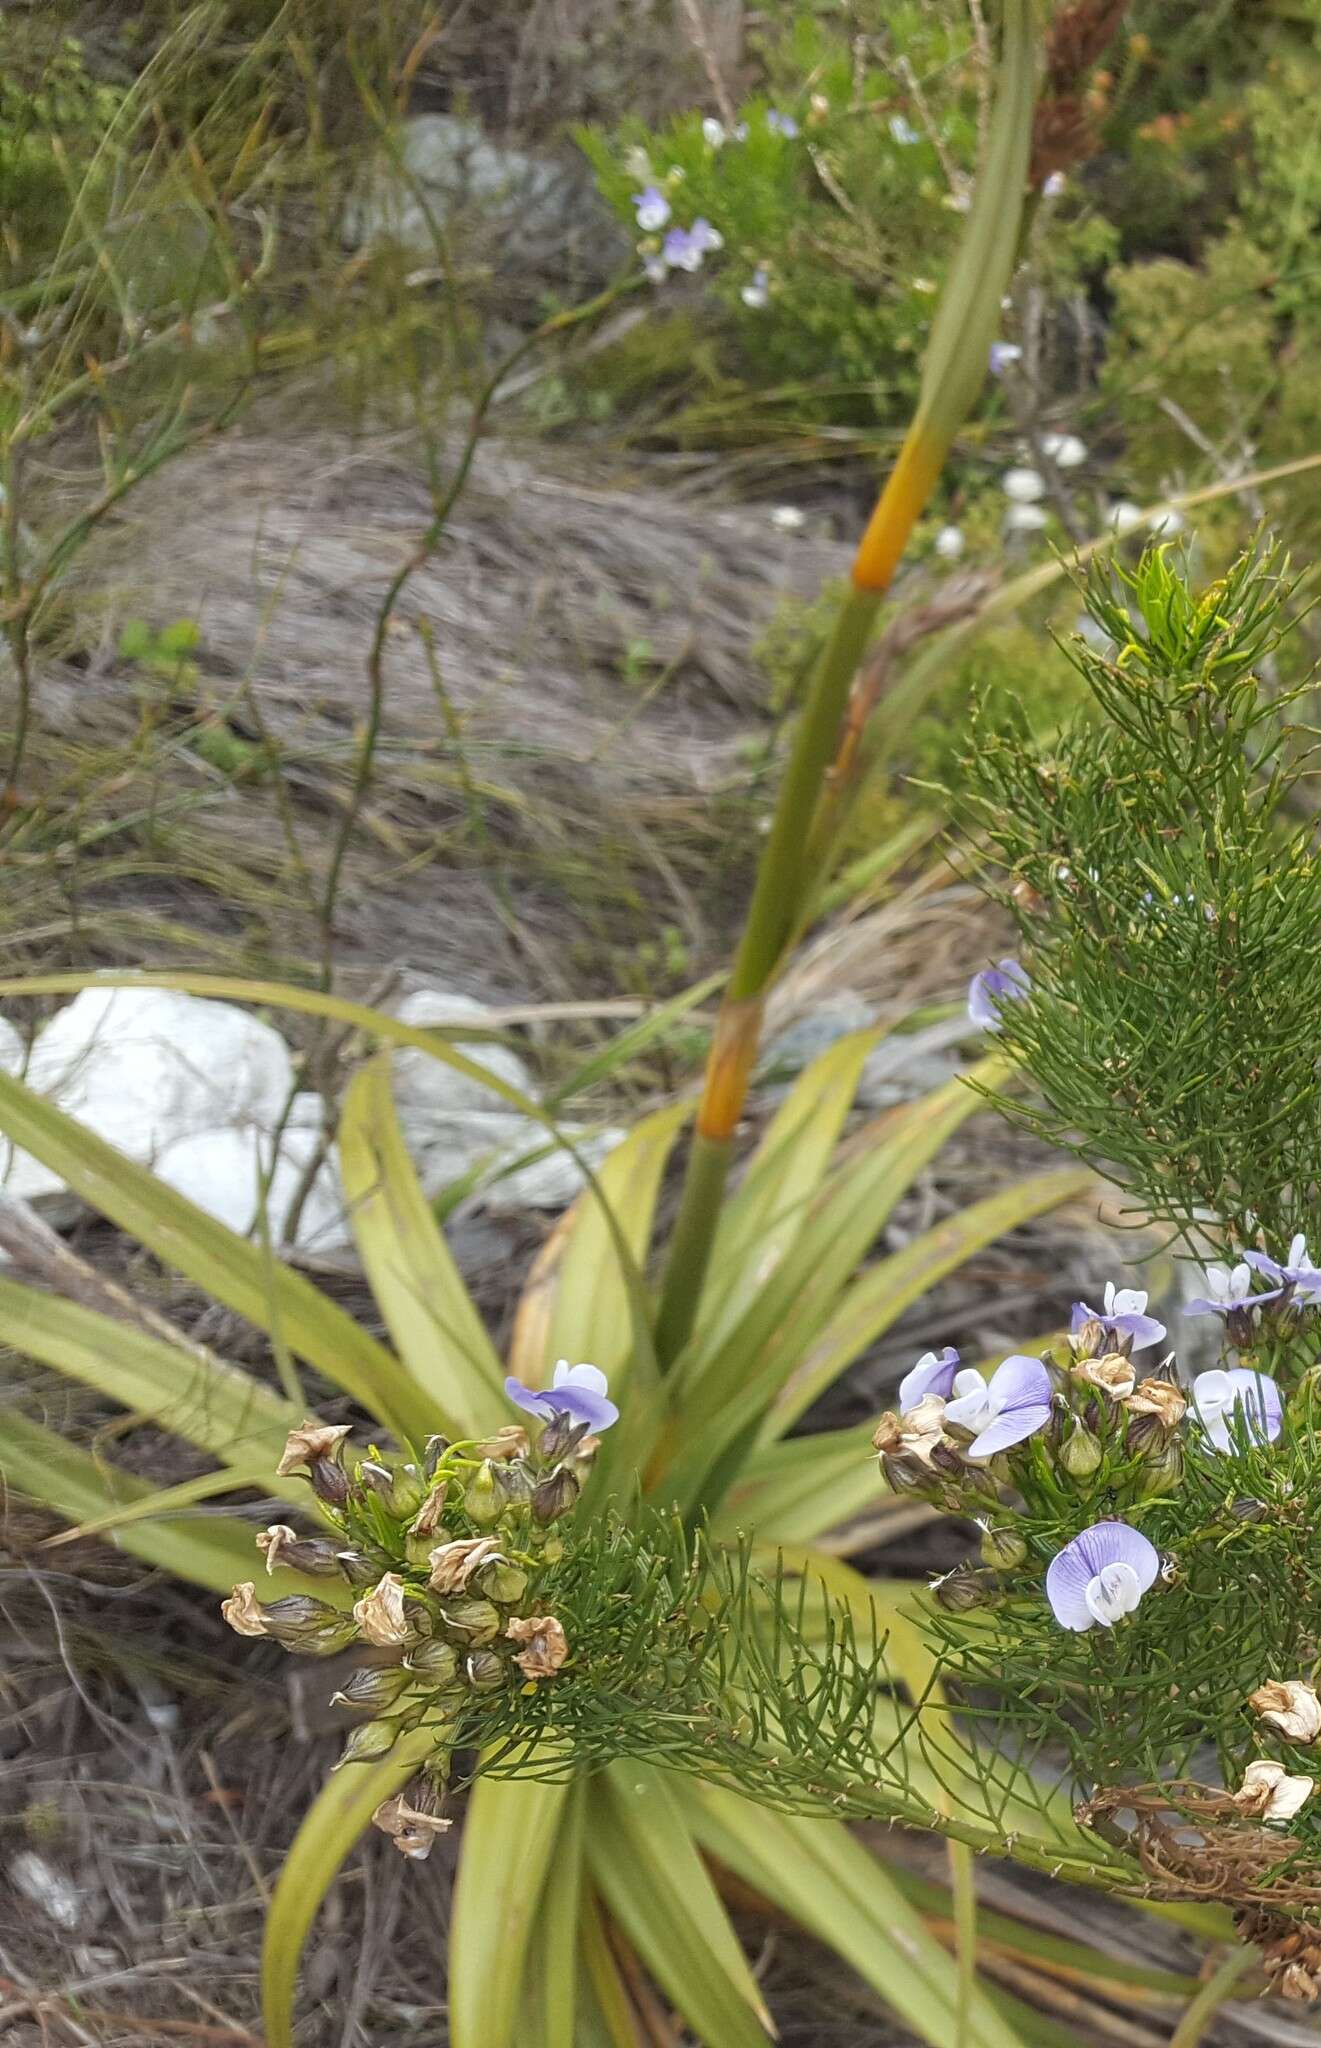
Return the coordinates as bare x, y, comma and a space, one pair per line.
1257, 1394
988, 991
1261, 1262
1067, 1580
971, 1410
933, 1374
1072, 1572
1011, 1426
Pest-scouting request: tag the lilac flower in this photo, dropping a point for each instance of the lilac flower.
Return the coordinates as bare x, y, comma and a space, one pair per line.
652, 209
1053, 186
903, 132
1229, 1291
1100, 1576
781, 124
1006, 982
1298, 1273
757, 291
578, 1391
1124, 1315
1013, 1404
1003, 354
684, 248
1217, 1394
934, 1373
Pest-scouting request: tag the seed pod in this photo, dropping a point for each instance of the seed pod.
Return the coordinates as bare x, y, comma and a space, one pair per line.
962, 1590
559, 1437
435, 1661
470, 1621
905, 1475
482, 1501
554, 1496
436, 1448
484, 1671
515, 1482
372, 1686
329, 1482
1003, 1549
1248, 1510
309, 1627
501, 1581
366, 1742
407, 1492
1080, 1454
358, 1568
377, 1478
1163, 1472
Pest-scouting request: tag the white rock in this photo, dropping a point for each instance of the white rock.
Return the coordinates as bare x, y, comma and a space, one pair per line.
1125, 516
222, 1171
426, 1091
490, 1140
950, 543
1024, 486
1025, 519
1066, 451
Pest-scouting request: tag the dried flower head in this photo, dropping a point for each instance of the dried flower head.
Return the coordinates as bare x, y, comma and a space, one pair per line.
917, 1433
1290, 1706
453, 1564
1159, 1398
1112, 1373
380, 1613
1269, 1793
309, 1444
244, 1612
273, 1543
508, 1442
546, 1644
412, 1831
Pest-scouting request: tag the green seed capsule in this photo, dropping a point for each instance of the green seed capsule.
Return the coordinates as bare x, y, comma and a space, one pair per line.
435, 1661
1080, 1454
471, 1621
497, 1580
1003, 1549
370, 1739
373, 1685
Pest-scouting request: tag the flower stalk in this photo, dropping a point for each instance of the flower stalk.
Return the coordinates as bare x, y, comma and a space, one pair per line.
953, 376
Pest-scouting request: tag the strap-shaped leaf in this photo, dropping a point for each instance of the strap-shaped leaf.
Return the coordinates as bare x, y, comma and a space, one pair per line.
331, 1825
509, 1839
642, 1856
201, 1397
418, 1288
550, 1980
233, 1271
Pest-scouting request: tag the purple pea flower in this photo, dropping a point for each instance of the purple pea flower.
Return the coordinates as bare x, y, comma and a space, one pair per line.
934, 1373
652, 209
1124, 1315
1229, 1292
1002, 355
781, 124
1298, 1273
578, 1391
1006, 982
1014, 1403
1217, 1394
684, 248
1100, 1576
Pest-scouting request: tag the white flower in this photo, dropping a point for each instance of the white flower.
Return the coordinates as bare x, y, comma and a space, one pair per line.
713, 131
1289, 1706
788, 518
655, 268
1053, 186
638, 165
1228, 1286
1025, 519
1167, 519
1123, 516
950, 543
958, 202
903, 132
757, 291
925, 285
652, 209
1066, 451
1269, 1793
1024, 486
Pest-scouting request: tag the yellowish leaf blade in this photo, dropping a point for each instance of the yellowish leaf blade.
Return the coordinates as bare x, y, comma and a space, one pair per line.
509, 1837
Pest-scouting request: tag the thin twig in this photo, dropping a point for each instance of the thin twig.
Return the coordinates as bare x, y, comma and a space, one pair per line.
701, 40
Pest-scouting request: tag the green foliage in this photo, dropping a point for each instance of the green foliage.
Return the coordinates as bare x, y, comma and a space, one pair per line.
1174, 963
54, 120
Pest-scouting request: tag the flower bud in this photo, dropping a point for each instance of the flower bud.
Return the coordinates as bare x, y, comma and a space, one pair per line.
554, 1496
962, 1590
905, 1474
407, 1491
436, 1661
373, 1686
502, 1581
559, 1437
1162, 1472
1089, 1340
377, 1478
310, 1627
1246, 1509
484, 1671
436, 1448
470, 1621
1080, 1454
1003, 1549
515, 1483
1145, 1436
482, 1501
369, 1740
